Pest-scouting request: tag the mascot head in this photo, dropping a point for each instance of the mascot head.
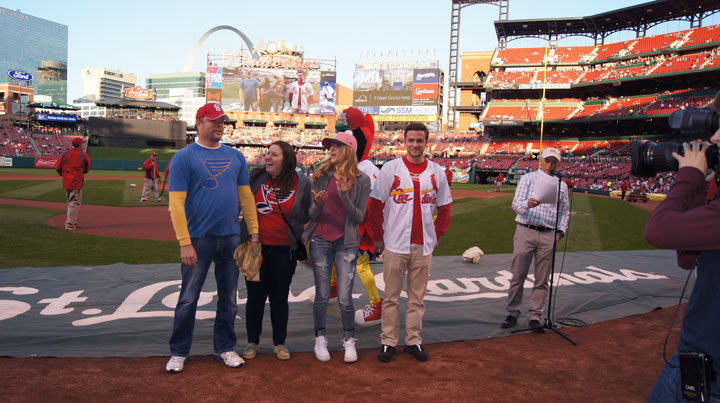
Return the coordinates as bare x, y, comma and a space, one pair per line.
362, 127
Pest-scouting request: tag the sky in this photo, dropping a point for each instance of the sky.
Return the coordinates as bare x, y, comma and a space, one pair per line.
157, 36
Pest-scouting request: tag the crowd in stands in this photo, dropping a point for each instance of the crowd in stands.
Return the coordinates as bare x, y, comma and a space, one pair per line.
48, 141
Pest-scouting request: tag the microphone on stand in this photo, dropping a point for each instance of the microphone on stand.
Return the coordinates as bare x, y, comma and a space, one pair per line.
559, 174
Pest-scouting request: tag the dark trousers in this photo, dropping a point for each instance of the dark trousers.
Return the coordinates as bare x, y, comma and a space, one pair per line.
276, 272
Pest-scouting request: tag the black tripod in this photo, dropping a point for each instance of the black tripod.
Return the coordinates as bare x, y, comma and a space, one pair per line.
548, 319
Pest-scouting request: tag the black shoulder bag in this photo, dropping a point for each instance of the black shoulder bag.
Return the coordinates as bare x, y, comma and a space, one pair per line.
302, 254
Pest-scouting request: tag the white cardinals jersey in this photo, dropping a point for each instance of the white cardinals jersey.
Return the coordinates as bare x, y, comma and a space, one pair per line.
394, 187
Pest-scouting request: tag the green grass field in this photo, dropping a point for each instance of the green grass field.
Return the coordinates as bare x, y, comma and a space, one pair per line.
597, 224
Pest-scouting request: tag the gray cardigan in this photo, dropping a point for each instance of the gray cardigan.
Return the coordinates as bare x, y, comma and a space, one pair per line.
298, 214
355, 205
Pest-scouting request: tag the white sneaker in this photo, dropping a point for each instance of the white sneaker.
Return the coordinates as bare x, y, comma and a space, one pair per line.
321, 351
230, 358
350, 353
176, 364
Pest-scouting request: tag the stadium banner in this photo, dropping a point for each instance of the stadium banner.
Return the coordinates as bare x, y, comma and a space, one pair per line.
395, 87
5, 162
46, 162
497, 122
213, 95
539, 86
400, 110
405, 118
139, 93
213, 77
55, 118
270, 89
461, 177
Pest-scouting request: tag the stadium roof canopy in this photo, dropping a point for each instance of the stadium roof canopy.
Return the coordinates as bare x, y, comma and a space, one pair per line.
136, 104
635, 18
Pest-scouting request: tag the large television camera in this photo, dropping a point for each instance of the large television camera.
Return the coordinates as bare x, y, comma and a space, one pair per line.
649, 158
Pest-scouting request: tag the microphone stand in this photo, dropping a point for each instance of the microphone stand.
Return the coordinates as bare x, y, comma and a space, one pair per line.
548, 318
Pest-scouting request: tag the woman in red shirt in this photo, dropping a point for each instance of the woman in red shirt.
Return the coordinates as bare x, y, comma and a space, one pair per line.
282, 200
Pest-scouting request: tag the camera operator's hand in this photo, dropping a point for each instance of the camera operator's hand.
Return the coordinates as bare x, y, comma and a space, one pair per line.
694, 156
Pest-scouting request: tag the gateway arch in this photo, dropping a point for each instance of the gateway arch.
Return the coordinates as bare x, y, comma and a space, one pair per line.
191, 57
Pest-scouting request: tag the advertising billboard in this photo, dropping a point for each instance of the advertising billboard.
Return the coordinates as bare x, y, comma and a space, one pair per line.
271, 89
396, 87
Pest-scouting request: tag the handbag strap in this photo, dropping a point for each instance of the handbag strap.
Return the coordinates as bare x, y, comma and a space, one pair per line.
272, 182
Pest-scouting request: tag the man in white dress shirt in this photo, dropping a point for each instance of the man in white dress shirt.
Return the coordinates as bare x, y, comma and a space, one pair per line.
534, 238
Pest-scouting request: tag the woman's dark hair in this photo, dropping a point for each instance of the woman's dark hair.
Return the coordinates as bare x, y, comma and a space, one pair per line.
286, 179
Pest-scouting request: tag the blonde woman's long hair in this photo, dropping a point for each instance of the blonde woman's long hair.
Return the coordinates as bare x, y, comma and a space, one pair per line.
347, 168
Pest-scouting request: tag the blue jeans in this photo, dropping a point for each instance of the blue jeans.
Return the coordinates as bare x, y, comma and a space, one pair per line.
210, 248
668, 386
323, 253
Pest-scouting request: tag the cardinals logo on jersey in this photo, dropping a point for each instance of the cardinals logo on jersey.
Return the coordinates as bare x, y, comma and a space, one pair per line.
434, 182
400, 195
269, 198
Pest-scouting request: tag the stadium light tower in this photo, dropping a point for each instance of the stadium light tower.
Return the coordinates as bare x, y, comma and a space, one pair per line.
457, 5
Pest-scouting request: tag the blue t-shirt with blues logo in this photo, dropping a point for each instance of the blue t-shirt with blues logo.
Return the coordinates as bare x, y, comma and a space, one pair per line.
210, 176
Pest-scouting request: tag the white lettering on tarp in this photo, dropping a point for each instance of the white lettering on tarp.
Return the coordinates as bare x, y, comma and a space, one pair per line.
443, 290
130, 308
58, 306
10, 308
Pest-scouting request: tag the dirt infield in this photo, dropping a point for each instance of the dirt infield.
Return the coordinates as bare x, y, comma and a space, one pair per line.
614, 361
152, 222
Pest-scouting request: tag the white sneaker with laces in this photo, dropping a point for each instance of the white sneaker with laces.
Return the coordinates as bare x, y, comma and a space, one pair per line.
350, 352
231, 359
321, 351
176, 364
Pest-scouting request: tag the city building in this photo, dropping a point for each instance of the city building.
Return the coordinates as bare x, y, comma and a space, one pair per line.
186, 100
101, 83
165, 85
37, 47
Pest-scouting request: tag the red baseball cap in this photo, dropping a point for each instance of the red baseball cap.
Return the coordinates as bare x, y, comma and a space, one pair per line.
152, 154
77, 141
345, 138
211, 111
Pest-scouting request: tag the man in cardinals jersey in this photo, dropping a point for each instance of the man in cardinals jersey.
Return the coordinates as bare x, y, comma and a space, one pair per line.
402, 203
300, 93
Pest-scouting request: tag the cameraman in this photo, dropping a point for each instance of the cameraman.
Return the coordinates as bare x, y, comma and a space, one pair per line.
686, 223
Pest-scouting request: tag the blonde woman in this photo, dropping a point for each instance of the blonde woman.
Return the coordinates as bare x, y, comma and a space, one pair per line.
340, 193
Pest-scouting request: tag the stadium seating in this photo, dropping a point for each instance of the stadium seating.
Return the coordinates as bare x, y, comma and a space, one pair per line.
15, 142
520, 56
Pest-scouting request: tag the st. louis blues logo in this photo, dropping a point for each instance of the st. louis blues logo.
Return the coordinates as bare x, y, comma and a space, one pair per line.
269, 198
215, 167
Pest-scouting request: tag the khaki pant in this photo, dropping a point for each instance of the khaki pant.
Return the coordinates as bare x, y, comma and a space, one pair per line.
147, 186
74, 198
529, 243
395, 267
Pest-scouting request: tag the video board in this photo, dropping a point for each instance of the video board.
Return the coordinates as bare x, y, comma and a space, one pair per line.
243, 88
396, 87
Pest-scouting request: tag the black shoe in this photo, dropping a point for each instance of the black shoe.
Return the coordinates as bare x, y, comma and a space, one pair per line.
386, 353
536, 326
509, 322
417, 351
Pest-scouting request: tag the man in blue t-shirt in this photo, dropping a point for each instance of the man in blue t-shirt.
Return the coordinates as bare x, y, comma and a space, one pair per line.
207, 180
250, 88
